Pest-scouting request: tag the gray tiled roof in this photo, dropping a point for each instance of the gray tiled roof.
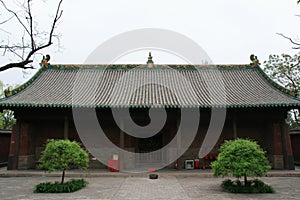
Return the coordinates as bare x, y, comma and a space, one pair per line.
117, 86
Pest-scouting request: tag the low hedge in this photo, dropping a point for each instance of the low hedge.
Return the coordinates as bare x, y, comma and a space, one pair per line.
252, 186
57, 187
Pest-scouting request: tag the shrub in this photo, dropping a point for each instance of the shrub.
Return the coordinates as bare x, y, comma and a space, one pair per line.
252, 186
70, 186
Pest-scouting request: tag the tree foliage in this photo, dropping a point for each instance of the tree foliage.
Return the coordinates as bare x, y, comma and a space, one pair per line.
61, 155
285, 70
7, 119
241, 158
32, 38
292, 119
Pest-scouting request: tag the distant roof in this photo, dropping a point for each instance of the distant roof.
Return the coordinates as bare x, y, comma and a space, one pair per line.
295, 130
139, 86
5, 131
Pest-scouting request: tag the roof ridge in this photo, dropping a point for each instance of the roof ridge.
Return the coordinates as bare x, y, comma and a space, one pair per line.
144, 66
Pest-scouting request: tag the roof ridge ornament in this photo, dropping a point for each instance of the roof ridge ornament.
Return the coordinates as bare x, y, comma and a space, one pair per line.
150, 62
8, 92
254, 61
45, 60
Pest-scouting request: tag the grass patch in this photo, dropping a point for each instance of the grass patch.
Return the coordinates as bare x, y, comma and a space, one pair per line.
57, 187
252, 186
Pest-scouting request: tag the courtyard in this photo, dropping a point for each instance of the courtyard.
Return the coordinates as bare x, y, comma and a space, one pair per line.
167, 186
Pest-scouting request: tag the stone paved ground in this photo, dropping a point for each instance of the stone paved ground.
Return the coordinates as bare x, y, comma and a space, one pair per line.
168, 187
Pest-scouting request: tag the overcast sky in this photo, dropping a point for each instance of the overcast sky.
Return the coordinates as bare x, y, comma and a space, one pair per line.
228, 30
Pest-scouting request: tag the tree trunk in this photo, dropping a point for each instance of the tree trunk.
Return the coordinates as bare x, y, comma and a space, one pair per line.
245, 179
63, 177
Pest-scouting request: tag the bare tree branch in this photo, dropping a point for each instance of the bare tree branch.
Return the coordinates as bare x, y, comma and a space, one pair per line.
16, 15
13, 47
3, 22
30, 25
56, 18
21, 65
290, 39
35, 37
292, 81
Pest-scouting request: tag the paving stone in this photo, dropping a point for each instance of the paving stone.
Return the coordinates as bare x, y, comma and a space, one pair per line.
145, 188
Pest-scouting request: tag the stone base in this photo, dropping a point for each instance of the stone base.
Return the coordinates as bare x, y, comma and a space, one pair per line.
290, 163
10, 163
277, 162
95, 164
26, 162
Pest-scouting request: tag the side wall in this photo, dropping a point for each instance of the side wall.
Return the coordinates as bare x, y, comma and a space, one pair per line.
4, 144
295, 139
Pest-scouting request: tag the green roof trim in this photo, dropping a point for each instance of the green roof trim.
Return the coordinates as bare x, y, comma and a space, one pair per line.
24, 105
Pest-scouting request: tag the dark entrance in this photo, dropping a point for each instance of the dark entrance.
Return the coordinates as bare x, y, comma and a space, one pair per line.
148, 145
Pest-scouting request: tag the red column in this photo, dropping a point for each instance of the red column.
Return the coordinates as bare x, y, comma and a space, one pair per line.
289, 159
11, 154
24, 139
20, 156
278, 162
26, 158
277, 148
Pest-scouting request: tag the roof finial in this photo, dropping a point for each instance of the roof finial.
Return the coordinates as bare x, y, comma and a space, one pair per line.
150, 61
254, 60
45, 60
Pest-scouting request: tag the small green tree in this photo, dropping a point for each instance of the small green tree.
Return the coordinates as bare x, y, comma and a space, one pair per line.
241, 158
61, 155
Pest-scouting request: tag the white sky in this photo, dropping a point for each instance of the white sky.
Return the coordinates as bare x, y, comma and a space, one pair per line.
228, 30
